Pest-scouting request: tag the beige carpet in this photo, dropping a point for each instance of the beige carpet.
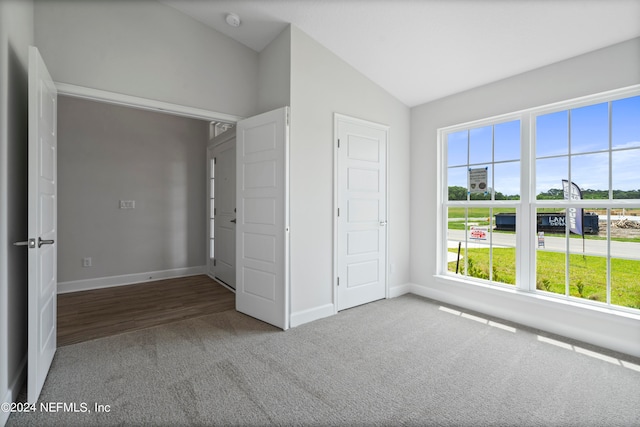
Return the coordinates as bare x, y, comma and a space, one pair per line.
405, 361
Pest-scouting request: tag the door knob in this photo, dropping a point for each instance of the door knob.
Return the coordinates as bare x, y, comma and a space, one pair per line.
44, 242
383, 223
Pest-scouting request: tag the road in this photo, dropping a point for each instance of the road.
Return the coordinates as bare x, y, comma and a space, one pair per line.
626, 250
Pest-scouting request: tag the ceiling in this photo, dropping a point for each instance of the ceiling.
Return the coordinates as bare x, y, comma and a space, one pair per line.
422, 50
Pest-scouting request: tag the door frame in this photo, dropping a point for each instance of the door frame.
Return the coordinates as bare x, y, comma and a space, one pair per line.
227, 138
337, 117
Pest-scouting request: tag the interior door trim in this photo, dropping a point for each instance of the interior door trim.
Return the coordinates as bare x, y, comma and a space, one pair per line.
143, 103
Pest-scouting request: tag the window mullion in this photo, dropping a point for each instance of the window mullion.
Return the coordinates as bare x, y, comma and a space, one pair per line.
525, 264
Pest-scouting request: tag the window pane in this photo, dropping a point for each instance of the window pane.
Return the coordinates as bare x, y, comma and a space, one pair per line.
590, 128
625, 122
625, 174
625, 257
551, 251
456, 225
457, 182
549, 176
478, 261
480, 140
625, 288
552, 134
484, 254
507, 141
503, 268
457, 144
507, 181
588, 260
590, 172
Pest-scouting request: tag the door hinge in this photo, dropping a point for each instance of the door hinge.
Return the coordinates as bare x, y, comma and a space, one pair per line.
338, 281
338, 211
214, 211
214, 262
215, 160
338, 142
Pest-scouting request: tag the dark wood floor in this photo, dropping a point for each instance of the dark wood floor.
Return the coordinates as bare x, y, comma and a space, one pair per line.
99, 313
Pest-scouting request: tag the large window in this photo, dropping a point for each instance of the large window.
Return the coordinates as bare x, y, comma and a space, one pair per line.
483, 175
548, 200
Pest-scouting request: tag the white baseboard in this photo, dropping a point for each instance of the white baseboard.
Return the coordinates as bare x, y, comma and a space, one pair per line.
127, 279
399, 290
309, 315
14, 389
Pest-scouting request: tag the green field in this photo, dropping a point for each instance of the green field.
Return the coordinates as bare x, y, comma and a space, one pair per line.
588, 274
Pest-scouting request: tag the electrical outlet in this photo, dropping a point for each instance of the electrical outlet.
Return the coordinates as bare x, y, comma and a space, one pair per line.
86, 262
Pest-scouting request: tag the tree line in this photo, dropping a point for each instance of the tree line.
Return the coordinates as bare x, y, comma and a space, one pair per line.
460, 193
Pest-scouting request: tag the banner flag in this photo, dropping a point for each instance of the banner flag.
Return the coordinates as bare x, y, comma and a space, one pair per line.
574, 215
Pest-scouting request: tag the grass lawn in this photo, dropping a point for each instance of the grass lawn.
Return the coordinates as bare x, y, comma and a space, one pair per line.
588, 275
458, 212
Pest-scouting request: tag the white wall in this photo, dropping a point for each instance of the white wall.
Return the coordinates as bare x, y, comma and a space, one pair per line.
274, 73
16, 34
321, 85
146, 49
109, 153
598, 71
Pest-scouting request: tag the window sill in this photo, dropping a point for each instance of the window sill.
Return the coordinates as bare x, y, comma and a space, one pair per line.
610, 328
545, 297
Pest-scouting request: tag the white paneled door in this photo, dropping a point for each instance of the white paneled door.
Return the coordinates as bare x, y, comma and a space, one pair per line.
42, 229
223, 208
362, 211
262, 229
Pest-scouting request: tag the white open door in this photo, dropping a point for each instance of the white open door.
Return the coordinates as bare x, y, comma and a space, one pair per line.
42, 227
262, 239
223, 207
362, 217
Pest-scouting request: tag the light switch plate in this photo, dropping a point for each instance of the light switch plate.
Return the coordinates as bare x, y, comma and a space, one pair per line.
127, 204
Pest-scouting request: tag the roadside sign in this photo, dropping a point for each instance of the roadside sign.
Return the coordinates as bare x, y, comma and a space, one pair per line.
478, 233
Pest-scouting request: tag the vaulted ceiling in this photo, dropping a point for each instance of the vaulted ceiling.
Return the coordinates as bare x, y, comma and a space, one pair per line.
421, 50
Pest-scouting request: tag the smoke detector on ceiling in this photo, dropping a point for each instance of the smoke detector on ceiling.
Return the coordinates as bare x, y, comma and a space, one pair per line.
232, 19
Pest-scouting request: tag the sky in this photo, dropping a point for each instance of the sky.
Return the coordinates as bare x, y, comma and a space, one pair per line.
587, 137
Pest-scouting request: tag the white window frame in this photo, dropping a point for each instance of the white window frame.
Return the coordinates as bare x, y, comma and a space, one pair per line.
526, 207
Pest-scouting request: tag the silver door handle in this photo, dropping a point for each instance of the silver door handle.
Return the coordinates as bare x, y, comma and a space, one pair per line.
44, 242
383, 223
31, 243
